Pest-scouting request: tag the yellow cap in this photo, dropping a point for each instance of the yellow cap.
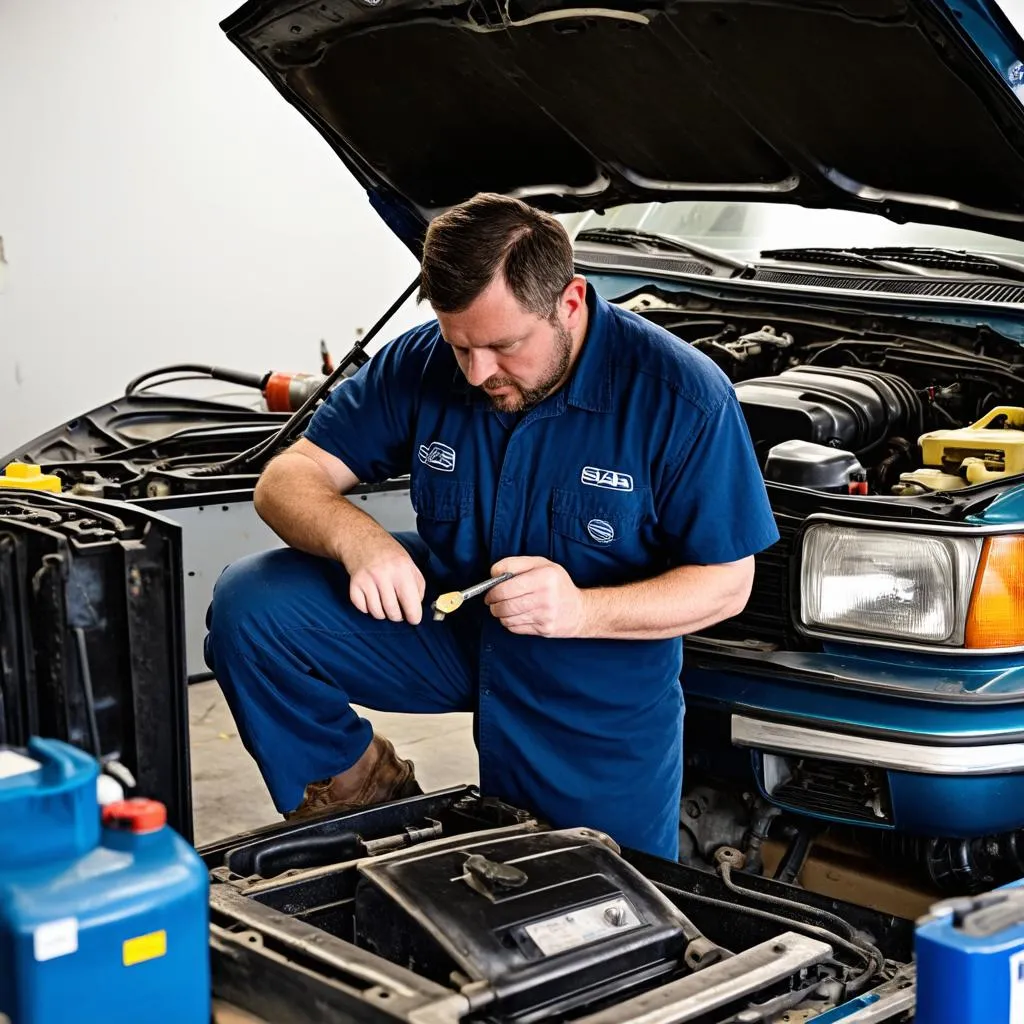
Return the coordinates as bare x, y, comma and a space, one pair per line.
29, 477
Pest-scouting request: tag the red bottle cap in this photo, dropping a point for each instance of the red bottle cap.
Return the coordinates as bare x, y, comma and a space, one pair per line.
136, 815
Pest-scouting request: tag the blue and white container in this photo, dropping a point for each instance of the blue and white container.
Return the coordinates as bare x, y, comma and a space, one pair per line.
99, 921
970, 960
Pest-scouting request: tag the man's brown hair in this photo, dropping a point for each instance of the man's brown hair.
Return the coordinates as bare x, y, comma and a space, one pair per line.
489, 234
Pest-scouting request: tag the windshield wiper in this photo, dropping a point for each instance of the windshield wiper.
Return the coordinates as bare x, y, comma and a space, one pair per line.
905, 259
635, 238
856, 258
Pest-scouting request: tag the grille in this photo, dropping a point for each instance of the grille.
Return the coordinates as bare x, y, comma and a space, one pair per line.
979, 291
767, 615
676, 265
851, 792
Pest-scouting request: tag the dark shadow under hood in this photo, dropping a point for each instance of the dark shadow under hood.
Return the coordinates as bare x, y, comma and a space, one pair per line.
879, 105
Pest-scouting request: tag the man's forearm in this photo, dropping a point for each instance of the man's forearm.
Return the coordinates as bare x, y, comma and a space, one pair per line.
296, 500
678, 602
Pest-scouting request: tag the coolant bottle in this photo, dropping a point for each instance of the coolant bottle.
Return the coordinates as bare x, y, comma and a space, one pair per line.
99, 922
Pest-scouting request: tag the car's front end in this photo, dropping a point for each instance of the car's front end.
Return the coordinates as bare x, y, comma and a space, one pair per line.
875, 677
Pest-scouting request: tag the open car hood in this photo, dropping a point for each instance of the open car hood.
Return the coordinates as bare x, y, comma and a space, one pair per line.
895, 107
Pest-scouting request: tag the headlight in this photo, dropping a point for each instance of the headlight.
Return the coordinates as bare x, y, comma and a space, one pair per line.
914, 588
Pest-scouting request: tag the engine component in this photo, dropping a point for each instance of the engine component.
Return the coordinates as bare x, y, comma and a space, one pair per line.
990, 449
955, 865
29, 477
505, 920
91, 642
710, 818
285, 392
851, 409
731, 352
970, 954
798, 849
497, 911
803, 464
920, 481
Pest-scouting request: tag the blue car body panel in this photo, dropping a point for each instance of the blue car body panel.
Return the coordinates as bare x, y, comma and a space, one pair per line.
926, 804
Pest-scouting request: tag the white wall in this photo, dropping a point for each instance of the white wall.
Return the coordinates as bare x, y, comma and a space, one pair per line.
160, 202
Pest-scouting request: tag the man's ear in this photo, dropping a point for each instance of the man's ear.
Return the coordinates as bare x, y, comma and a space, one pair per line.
574, 300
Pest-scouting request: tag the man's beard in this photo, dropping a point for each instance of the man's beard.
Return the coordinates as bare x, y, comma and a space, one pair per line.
522, 398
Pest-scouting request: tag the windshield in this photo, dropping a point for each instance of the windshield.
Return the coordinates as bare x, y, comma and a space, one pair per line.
744, 230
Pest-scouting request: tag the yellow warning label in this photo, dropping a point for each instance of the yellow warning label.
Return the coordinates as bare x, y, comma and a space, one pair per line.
144, 947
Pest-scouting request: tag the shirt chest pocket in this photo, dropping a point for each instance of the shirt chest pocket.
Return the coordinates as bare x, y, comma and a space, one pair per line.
602, 540
446, 520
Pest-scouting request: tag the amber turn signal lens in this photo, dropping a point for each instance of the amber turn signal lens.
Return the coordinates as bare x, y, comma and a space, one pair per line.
996, 616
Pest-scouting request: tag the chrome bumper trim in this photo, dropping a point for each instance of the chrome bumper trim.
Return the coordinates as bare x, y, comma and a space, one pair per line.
780, 738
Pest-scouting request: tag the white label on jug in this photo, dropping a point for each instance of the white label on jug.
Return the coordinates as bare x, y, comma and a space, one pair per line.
56, 938
12, 763
1017, 988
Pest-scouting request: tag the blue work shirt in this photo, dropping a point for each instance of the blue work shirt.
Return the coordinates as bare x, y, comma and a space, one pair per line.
641, 462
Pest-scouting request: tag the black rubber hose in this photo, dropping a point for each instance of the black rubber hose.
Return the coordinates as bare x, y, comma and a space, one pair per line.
243, 377
876, 961
253, 455
794, 858
289, 853
845, 928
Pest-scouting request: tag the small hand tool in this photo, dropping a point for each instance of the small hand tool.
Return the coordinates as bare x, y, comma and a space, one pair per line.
452, 601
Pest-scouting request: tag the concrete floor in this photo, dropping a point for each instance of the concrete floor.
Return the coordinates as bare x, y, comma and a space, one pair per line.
228, 792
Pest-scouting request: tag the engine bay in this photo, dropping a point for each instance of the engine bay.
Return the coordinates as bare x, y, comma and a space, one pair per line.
845, 404
848, 412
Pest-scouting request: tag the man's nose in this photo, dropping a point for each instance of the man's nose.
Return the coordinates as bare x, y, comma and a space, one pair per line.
480, 365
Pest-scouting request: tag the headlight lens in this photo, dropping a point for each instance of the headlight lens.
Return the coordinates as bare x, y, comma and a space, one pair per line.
902, 586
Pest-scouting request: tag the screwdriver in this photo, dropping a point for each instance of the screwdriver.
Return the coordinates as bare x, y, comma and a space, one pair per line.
452, 601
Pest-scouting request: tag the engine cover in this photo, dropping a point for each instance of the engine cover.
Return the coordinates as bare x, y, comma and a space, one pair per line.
847, 408
499, 908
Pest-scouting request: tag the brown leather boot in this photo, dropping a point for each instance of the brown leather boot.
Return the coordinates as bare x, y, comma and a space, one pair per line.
391, 778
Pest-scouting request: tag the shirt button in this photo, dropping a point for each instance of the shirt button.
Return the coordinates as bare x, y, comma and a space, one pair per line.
488, 647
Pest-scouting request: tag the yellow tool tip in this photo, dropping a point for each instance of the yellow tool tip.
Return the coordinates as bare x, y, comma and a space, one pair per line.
448, 603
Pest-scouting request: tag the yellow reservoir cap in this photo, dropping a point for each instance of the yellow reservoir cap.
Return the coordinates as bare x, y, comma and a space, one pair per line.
979, 452
29, 477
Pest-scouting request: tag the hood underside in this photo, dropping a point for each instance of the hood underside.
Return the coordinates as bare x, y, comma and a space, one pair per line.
886, 106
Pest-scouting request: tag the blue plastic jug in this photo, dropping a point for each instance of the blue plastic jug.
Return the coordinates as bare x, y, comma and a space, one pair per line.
970, 959
99, 922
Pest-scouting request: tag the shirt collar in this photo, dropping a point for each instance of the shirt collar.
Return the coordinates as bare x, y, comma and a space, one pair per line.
590, 383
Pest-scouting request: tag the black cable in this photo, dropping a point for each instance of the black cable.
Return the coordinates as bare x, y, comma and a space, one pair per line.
252, 455
176, 379
725, 870
875, 960
242, 377
185, 435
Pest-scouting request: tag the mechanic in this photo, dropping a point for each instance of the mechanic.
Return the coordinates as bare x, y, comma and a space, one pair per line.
548, 434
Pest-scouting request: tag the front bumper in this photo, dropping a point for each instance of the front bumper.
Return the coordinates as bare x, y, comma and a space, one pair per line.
930, 749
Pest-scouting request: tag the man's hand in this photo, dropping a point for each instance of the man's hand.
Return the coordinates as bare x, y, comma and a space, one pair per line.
540, 600
385, 581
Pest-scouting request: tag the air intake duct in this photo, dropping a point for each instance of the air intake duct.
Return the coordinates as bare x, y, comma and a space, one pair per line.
849, 408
